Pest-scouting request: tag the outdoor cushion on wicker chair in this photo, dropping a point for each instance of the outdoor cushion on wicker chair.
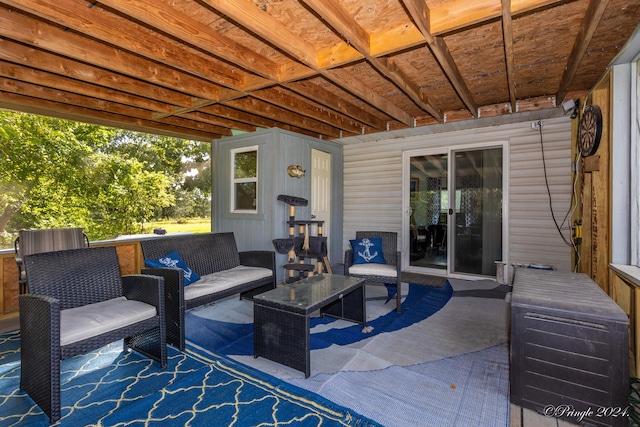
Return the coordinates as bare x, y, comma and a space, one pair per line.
79, 302
385, 271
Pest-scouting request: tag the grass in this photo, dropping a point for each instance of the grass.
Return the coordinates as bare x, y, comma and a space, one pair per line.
194, 225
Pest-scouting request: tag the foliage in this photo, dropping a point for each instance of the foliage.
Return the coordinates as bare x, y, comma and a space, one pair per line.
58, 173
191, 225
185, 162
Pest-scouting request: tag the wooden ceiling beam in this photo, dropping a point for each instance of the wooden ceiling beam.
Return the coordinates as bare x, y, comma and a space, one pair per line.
339, 19
82, 72
388, 68
271, 30
251, 118
167, 64
248, 15
284, 99
443, 19
279, 114
62, 97
70, 112
351, 83
420, 14
162, 16
100, 105
34, 76
507, 37
459, 14
227, 112
218, 121
196, 125
98, 23
19, 27
315, 92
592, 18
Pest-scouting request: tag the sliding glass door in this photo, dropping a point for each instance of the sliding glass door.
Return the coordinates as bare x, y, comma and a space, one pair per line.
454, 221
429, 176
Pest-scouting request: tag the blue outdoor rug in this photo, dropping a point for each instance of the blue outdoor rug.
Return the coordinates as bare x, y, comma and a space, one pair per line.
443, 361
109, 387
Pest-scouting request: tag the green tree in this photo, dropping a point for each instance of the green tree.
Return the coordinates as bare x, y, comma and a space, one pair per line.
124, 195
58, 173
186, 163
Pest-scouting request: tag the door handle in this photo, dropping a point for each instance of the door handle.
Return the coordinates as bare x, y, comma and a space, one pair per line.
313, 216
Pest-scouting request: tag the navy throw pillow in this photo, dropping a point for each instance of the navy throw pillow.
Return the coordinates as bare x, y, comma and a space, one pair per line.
367, 251
174, 260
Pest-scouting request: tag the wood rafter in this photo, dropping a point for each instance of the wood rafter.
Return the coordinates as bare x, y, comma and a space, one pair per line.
159, 15
343, 23
69, 44
324, 68
99, 77
278, 35
591, 20
421, 16
280, 97
66, 111
507, 36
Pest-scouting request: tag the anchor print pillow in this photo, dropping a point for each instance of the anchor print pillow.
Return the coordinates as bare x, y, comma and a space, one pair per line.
367, 251
174, 260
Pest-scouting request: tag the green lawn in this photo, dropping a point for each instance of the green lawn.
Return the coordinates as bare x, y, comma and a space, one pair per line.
196, 225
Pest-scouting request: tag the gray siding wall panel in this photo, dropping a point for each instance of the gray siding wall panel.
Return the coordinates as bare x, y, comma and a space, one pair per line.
373, 185
277, 150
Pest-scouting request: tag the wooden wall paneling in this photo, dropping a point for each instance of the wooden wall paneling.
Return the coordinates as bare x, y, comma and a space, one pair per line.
601, 187
577, 180
9, 280
587, 233
129, 256
624, 294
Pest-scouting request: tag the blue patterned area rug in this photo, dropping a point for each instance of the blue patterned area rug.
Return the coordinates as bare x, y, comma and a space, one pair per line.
443, 361
109, 387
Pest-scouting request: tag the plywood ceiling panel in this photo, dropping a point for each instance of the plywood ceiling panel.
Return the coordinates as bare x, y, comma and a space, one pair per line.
202, 69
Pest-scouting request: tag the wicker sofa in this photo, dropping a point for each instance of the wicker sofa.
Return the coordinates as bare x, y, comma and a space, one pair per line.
79, 302
224, 272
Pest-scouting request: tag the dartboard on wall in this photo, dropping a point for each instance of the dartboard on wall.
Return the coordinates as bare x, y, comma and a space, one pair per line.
590, 130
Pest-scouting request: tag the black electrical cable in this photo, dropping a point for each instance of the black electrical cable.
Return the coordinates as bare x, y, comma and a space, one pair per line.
546, 180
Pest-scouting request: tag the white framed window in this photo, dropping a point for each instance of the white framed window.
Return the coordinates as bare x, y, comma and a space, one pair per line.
244, 180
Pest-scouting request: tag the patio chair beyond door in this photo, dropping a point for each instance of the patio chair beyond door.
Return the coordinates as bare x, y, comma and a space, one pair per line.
48, 240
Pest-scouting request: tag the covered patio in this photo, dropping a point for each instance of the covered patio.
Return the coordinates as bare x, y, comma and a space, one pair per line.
330, 70
367, 82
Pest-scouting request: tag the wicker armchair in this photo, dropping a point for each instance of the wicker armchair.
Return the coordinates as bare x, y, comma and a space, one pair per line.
50, 239
67, 290
385, 274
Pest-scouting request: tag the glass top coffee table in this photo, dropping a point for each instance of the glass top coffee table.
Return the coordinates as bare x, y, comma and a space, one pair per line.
281, 317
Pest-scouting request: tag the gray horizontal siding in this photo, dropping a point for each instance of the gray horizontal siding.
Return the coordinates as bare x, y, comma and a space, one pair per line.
373, 184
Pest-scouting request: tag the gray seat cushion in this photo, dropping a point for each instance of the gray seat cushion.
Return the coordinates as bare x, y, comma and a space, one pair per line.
80, 323
216, 282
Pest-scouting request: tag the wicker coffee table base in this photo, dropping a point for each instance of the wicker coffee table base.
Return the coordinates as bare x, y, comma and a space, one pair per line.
282, 335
